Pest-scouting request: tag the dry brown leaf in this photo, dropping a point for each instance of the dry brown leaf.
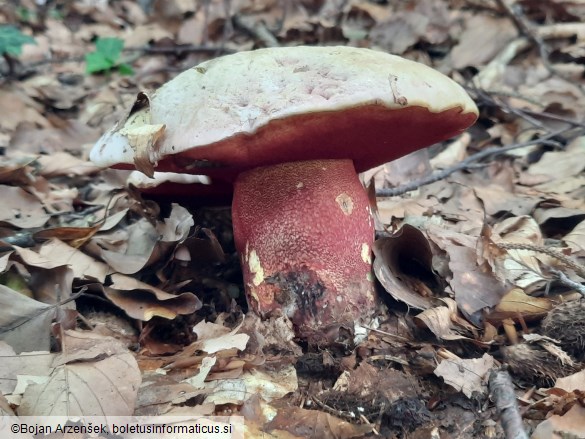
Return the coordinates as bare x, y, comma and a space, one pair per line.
55, 253
495, 33
407, 246
576, 238
137, 250
104, 387
557, 427
143, 301
15, 369
572, 382
24, 322
62, 163
473, 281
517, 304
313, 423
467, 376
212, 338
269, 384
441, 320
74, 236
21, 209
520, 267
562, 163
68, 135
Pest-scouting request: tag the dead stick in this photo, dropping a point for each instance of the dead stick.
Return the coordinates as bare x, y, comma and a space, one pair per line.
502, 391
465, 164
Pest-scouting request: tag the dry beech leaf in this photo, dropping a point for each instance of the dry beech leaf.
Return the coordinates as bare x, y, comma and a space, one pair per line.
13, 365
140, 243
496, 32
474, 283
516, 303
21, 209
572, 382
176, 227
440, 322
74, 236
313, 423
64, 164
467, 376
211, 338
269, 384
569, 425
198, 380
113, 220
17, 170
142, 301
100, 387
407, 246
576, 238
55, 253
25, 323
520, 267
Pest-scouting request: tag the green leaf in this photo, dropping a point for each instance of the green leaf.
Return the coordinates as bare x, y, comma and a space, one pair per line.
106, 56
110, 48
125, 69
96, 62
12, 40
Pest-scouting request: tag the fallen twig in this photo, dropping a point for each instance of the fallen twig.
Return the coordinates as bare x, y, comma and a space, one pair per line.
502, 391
467, 163
547, 251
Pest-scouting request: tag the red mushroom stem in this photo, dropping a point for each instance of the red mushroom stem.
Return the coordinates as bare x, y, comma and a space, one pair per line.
305, 233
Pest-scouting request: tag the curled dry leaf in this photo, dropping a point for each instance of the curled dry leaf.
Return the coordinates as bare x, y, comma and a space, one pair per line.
408, 247
441, 320
137, 248
142, 301
474, 283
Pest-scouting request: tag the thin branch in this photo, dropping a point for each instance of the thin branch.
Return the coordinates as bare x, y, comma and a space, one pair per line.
467, 163
567, 262
502, 391
562, 277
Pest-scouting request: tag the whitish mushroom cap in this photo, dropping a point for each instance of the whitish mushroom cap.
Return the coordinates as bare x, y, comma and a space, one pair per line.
141, 181
287, 104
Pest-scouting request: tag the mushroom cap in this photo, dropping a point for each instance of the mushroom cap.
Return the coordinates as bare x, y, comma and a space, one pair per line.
190, 189
288, 104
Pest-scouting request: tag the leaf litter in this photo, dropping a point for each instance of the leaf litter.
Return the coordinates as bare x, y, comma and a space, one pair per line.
471, 261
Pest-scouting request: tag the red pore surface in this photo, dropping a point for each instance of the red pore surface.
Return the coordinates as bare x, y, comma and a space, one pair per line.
304, 234
369, 135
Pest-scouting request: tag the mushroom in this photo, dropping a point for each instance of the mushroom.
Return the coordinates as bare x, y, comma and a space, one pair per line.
188, 189
291, 127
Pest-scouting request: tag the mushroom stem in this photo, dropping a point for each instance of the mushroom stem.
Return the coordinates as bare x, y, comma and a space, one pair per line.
304, 234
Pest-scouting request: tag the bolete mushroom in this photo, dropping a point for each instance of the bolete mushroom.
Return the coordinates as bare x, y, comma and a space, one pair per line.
291, 126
